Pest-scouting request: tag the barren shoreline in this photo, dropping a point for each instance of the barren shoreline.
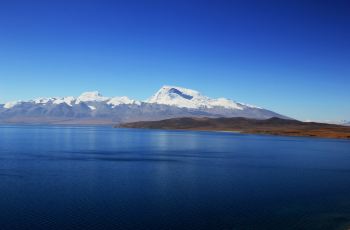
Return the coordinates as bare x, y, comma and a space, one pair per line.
272, 126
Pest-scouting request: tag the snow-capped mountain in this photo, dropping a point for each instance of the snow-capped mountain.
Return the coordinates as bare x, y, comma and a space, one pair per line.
187, 98
94, 96
94, 108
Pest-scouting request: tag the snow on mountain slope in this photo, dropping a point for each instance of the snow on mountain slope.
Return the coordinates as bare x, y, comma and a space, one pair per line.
115, 101
224, 102
91, 96
95, 96
186, 98
68, 100
167, 95
11, 104
43, 100
168, 102
92, 107
87, 97
177, 96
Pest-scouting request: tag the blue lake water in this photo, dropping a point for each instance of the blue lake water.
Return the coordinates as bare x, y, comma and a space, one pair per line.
104, 178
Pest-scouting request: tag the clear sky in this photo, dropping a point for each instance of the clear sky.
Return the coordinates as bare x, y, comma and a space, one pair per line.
292, 57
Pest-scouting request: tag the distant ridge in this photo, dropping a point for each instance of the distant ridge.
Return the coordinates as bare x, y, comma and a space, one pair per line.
94, 108
274, 126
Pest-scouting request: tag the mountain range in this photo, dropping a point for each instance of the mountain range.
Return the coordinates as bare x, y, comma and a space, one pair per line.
93, 108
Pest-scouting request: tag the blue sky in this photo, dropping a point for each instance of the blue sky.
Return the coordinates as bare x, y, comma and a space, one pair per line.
292, 57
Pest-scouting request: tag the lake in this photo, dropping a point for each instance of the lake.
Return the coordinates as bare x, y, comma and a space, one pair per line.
60, 177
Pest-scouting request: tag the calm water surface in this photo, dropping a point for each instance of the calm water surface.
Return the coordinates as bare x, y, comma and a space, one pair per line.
105, 178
